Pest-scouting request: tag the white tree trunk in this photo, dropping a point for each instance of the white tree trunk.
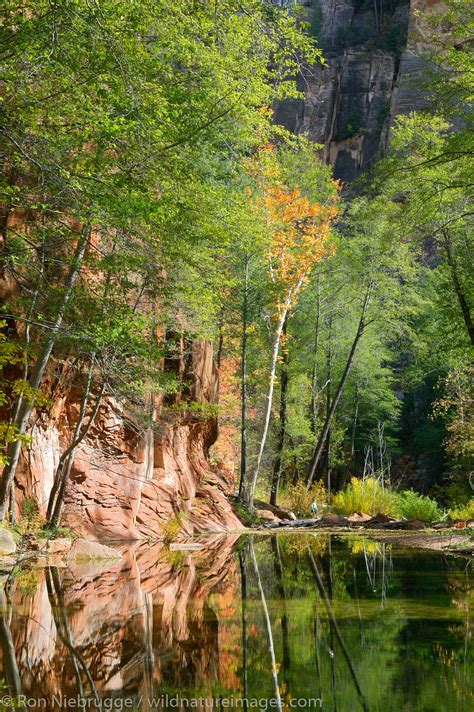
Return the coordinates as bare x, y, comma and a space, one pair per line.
273, 367
268, 623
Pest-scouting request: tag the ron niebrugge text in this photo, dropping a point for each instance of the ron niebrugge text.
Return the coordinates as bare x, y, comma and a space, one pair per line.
162, 702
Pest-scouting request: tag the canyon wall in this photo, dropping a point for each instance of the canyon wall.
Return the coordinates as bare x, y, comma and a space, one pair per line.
369, 77
126, 483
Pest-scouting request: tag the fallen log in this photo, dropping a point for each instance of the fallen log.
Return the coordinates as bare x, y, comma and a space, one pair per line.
292, 523
327, 522
334, 522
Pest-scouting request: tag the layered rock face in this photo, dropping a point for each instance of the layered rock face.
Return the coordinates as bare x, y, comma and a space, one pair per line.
127, 483
369, 77
408, 95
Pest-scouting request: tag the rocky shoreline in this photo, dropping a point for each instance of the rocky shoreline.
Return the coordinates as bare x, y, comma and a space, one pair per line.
63, 552
451, 537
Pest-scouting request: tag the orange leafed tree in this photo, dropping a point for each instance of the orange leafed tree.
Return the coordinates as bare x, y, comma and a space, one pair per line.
299, 232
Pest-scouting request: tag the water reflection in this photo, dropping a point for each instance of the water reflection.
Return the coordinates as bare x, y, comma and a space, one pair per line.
353, 623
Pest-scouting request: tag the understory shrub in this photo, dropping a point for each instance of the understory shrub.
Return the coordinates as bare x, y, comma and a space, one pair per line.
366, 496
57, 533
173, 527
298, 499
462, 511
247, 517
31, 521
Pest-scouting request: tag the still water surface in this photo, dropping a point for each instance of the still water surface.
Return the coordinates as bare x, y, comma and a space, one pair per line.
292, 622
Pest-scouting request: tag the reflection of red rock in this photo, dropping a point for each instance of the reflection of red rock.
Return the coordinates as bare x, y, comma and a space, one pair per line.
132, 625
126, 485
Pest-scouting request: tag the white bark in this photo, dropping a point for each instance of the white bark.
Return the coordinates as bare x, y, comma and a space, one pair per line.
276, 349
268, 623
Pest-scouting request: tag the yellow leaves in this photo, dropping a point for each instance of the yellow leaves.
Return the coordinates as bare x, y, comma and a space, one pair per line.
299, 230
262, 166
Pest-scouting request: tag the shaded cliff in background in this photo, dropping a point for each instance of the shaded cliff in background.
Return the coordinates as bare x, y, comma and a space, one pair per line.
367, 80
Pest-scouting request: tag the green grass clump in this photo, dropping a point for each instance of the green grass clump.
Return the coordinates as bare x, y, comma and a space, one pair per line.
369, 497
366, 497
417, 506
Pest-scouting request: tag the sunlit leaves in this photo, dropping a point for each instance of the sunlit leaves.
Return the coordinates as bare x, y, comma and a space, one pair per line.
298, 228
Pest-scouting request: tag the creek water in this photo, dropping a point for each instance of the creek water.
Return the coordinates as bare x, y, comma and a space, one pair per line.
292, 621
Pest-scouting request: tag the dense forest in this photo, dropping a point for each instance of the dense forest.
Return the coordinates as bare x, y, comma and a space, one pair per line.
152, 199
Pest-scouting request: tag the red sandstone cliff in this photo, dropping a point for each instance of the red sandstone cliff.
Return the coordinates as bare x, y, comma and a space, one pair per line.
126, 484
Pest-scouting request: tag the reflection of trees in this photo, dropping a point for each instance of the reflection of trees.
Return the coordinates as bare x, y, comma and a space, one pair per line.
243, 589
438, 636
198, 627
335, 628
63, 628
10, 665
285, 629
268, 625
378, 563
386, 647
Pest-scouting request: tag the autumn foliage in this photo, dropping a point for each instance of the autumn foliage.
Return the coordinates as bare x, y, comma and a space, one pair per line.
299, 229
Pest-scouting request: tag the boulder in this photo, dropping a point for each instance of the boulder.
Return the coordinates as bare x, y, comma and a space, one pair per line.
278, 511
414, 524
402, 524
7, 543
59, 546
83, 550
266, 515
379, 518
357, 517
